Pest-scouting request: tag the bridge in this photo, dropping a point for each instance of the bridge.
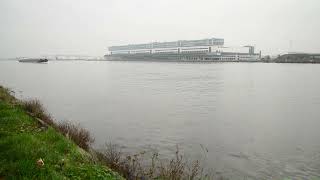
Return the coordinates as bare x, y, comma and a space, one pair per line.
72, 57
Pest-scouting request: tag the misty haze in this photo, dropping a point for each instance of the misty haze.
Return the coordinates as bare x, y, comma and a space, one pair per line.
174, 90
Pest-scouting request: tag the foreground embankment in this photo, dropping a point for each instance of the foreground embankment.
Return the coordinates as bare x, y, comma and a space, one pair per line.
35, 146
33, 149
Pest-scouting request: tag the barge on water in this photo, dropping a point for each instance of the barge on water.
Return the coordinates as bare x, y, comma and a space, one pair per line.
34, 60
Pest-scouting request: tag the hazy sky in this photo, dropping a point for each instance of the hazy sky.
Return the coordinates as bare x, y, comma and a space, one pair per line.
41, 27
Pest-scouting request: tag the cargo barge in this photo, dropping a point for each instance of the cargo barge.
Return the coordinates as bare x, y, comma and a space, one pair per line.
34, 60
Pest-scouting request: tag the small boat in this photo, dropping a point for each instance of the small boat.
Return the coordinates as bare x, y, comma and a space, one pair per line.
34, 60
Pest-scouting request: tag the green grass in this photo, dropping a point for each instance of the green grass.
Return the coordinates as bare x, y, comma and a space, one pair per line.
23, 141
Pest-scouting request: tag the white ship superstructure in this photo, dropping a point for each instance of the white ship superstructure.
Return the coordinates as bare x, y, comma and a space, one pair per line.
212, 49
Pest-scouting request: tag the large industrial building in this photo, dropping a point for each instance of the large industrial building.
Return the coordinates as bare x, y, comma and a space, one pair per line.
212, 49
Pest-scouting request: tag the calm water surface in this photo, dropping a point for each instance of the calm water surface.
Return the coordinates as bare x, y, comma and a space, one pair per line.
257, 120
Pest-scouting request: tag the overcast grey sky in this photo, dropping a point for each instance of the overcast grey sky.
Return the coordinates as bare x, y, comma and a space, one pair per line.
88, 27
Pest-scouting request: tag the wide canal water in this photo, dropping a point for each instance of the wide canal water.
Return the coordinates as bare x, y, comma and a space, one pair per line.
260, 121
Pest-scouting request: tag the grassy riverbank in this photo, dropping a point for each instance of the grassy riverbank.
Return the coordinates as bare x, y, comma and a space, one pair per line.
35, 146
25, 144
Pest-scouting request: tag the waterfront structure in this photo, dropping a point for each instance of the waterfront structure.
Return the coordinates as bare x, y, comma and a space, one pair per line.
211, 49
298, 58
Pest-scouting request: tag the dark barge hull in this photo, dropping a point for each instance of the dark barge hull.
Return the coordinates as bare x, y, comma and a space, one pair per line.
34, 60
